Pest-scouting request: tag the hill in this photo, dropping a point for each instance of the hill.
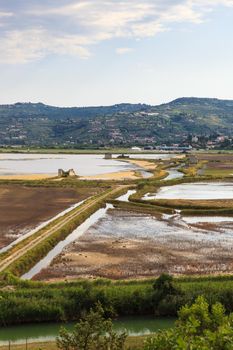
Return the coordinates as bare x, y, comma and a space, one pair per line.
36, 124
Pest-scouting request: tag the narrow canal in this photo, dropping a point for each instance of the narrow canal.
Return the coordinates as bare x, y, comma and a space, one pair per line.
48, 332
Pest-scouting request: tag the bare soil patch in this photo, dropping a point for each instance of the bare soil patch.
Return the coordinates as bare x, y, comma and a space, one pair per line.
23, 208
30, 177
121, 175
145, 164
129, 259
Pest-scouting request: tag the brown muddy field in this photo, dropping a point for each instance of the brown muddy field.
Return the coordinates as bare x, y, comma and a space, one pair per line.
128, 245
23, 208
215, 157
217, 161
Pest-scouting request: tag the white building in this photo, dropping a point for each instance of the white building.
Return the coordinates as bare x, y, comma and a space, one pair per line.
136, 149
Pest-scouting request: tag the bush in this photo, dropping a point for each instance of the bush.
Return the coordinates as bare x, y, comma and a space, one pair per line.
92, 332
167, 297
199, 327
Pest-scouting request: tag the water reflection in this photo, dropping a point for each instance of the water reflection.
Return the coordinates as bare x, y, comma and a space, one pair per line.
192, 191
83, 164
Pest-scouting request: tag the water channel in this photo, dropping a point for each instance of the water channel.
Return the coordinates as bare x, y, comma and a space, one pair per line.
135, 326
42, 225
166, 229
69, 239
80, 230
174, 173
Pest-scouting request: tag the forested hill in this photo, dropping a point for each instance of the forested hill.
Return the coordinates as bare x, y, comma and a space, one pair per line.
40, 109
36, 124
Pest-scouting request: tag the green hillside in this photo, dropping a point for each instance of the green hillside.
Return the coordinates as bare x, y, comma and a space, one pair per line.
36, 124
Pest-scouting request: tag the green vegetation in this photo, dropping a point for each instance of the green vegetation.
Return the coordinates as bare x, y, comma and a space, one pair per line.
142, 207
28, 301
44, 126
192, 170
61, 150
92, 332
219, 172
199, 327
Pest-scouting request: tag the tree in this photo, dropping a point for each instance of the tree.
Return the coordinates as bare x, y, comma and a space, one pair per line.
92, 332
167, 298
164, 285
199, 327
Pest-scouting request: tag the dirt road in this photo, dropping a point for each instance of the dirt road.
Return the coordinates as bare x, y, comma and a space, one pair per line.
24, 208
47, 233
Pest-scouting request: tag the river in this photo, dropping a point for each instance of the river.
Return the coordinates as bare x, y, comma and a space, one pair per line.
135, 326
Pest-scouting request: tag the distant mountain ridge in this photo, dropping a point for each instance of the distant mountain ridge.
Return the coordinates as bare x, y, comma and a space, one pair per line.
21, 108
37, 124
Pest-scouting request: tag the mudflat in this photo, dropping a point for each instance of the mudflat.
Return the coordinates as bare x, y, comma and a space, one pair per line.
23, 208
126, 245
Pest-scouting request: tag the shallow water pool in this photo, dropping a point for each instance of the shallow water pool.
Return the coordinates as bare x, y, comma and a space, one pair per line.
195, 191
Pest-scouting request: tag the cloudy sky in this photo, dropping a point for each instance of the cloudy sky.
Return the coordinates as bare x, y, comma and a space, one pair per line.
100, 52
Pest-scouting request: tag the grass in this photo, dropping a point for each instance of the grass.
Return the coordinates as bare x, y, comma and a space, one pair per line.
159, 174
141, 207
66, 182
32, 346
218, 172
192, 170
132, 343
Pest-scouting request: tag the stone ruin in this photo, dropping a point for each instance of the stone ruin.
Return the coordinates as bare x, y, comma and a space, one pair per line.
69, 173
108, 156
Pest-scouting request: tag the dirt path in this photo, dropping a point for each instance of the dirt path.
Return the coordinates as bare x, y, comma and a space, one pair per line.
23, 208
33, 243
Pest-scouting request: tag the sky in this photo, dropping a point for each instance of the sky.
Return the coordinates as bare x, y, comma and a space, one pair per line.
103, 52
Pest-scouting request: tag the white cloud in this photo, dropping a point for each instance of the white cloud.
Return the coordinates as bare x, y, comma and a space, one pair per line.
213, 2
6, 14
73, 28
29, 45
123, 50
182, 13
3, 16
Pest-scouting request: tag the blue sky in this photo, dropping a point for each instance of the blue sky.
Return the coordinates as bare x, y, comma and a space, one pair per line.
101, 52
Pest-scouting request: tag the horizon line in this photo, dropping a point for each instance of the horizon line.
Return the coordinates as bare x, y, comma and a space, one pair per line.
116, 104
